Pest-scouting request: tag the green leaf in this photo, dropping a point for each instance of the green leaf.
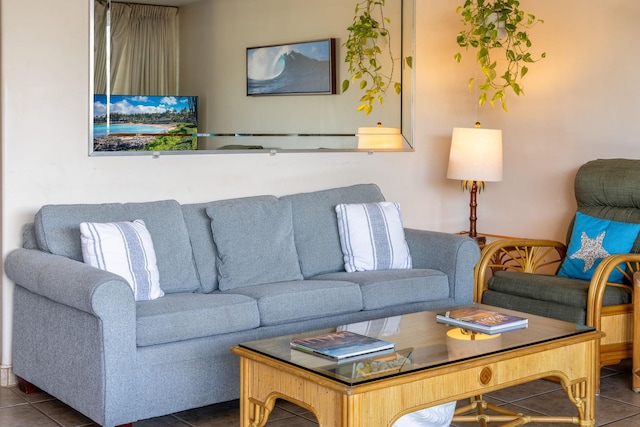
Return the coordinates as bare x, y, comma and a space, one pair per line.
345, 85
398, 87
409, 60
517, 89
457, 57
523, 71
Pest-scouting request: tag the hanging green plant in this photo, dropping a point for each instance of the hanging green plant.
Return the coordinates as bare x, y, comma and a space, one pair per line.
367, 33
497, 29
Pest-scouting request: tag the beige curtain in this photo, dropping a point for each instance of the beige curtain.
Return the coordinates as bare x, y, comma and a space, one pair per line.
144, 50
100, 47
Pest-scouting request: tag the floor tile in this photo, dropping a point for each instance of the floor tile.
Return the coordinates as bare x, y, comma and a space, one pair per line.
609, 411
39, 396
167, 421
627, 422
532, 388
9, 398
618, 387
23, 416
64, 415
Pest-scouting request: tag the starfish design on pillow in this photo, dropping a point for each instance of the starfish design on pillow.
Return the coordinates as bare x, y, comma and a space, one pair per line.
591, 250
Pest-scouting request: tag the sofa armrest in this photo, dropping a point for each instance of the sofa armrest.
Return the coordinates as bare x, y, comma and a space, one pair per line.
74, 334
69, 282
453, 254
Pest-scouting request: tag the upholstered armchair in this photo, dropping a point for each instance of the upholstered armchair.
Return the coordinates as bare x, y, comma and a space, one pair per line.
581, 282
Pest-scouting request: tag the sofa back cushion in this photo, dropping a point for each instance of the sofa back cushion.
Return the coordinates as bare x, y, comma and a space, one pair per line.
315, 225
204, 250
57, 231
254, 241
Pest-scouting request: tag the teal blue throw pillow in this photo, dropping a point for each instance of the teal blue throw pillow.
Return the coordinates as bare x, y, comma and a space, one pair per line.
593, 239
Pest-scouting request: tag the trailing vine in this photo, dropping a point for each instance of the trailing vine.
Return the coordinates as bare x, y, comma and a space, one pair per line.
497, 28
367, 33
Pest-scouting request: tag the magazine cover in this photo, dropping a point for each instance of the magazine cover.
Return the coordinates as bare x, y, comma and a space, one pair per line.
342, 345
482, 320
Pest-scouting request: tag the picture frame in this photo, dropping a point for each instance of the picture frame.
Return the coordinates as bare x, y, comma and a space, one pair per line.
302, 68
145, 123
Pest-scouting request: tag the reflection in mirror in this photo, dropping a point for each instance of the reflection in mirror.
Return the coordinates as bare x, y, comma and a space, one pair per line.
195, 51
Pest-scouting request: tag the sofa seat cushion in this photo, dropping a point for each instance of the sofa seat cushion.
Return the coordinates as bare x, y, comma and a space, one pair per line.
553, 310
183, 316
285, 302
386, 288
553, 289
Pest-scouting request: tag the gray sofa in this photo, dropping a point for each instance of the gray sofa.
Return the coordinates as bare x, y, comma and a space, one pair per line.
80, 336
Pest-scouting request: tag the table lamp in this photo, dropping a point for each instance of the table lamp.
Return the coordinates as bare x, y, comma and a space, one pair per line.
475, 156
379, 137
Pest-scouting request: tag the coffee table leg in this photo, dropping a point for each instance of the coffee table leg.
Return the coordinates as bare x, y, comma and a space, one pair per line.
261, 385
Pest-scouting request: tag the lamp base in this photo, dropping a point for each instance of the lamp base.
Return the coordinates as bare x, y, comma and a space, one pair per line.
480, 240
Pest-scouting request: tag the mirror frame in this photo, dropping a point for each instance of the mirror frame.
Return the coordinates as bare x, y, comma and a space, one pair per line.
407, 102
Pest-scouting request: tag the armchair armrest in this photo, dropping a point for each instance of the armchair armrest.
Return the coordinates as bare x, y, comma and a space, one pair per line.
453, 254
525, 255
636, 333
627, 264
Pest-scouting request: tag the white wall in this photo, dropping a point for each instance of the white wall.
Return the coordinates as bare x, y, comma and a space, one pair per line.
579, 105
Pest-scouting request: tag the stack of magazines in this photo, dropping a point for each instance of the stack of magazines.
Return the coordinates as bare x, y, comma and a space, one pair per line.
480, 320
343, 345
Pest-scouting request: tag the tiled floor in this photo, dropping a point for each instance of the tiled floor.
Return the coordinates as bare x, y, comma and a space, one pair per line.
616, 406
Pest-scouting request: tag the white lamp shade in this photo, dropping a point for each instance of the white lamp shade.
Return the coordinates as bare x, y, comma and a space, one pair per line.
379, 137
476, 155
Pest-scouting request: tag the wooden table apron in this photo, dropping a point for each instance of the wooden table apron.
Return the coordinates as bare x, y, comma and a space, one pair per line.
379, 403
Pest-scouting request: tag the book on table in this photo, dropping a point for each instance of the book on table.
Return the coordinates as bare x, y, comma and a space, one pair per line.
481, 320
342, 345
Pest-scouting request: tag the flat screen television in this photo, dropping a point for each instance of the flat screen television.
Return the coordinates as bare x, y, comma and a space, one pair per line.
145, 123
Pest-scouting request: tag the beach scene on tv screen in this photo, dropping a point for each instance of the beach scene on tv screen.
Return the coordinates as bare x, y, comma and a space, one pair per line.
145, 123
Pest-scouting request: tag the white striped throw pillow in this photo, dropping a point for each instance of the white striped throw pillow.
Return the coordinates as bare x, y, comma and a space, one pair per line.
125, 249
372, 237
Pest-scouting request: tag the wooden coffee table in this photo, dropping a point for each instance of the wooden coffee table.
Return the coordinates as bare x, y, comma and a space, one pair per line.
439, 367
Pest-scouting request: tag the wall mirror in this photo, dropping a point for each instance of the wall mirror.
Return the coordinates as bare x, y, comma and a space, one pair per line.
208, 43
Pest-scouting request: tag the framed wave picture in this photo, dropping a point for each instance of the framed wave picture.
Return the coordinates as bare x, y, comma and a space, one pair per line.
145, 123
306, 68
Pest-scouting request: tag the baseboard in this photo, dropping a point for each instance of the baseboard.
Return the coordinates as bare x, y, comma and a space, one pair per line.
7, 378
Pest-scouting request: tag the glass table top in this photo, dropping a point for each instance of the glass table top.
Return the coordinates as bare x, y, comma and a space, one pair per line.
420, 343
